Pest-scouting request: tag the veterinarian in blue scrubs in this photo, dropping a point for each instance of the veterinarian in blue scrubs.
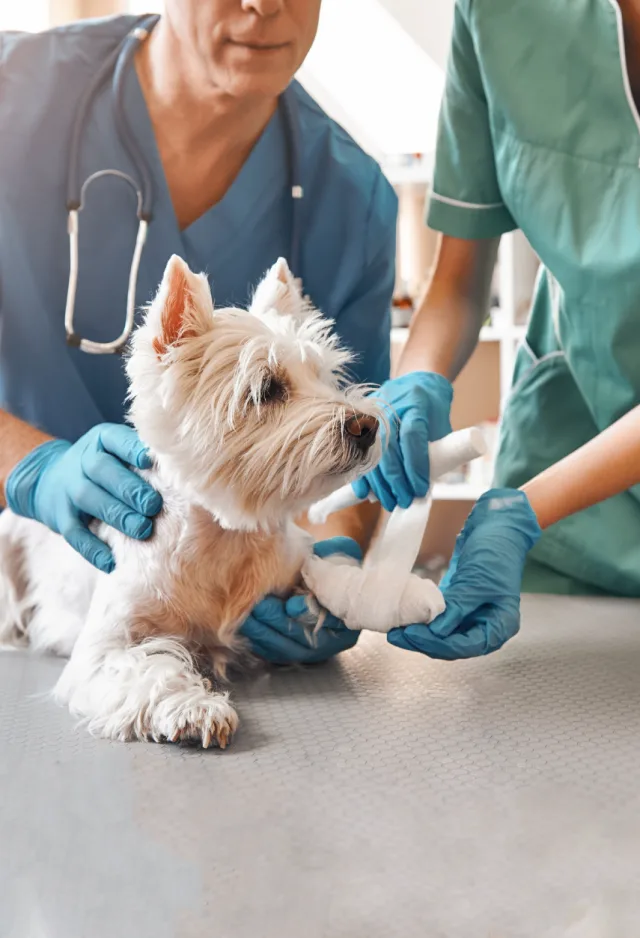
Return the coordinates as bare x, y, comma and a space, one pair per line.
200, 99
539, 130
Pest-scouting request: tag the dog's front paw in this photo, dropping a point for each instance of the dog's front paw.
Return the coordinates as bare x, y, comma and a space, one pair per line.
207, 721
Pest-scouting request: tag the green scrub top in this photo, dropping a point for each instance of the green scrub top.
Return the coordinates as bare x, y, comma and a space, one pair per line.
539, 131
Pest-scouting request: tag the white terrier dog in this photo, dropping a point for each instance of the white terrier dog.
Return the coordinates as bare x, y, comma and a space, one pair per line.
248, 423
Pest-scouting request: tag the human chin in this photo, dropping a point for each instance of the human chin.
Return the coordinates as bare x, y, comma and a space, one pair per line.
256, 71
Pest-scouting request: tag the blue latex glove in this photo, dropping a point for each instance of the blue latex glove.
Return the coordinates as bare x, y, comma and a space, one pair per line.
65, 485
482, 586
418, 411
280, 631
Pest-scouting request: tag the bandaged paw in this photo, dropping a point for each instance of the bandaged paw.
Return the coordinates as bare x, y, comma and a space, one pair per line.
368, 598
384, 594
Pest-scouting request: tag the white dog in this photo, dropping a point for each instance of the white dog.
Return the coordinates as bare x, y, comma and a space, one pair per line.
248, 423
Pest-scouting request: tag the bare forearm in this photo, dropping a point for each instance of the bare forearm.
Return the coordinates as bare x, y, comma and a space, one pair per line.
604, 467
16, 440
446, 326
443, 336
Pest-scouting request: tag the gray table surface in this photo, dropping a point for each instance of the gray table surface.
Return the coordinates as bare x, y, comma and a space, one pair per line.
381, 795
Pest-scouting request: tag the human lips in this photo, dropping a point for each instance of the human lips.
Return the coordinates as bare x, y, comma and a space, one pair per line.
258, 45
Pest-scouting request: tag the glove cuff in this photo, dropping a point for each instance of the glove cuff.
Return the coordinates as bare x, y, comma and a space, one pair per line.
439, 393
21, 485
338, 546
513, 501
432, 381
429, 381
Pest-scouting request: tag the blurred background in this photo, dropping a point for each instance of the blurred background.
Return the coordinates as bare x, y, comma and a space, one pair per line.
378, 68
377, 65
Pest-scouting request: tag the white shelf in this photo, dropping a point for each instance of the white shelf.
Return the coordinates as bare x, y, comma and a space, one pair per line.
419, 174
496, 333
487, 334
399, 335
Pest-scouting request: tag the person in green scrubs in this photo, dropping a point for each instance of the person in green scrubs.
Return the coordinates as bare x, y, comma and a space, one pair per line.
540, 130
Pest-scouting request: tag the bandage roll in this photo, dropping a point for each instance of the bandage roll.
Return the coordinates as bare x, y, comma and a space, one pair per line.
444, 456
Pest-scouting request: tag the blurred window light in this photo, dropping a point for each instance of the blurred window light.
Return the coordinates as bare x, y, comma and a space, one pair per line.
24, 15
145, 6
378, 76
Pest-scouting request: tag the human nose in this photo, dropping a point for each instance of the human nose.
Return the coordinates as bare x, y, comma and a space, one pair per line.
263, 8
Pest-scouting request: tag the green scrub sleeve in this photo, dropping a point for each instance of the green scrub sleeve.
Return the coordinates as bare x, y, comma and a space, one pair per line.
465, 200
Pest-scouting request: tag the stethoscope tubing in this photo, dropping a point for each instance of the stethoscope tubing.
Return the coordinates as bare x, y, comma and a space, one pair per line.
116, 65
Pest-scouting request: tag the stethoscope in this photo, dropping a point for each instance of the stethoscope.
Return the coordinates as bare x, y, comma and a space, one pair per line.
116, 65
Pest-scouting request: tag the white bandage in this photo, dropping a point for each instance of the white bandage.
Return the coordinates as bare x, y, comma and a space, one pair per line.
385, 593
444, 456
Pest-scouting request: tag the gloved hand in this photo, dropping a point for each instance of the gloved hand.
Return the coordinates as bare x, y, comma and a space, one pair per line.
482, 585
281, 631
418, 411
65, 485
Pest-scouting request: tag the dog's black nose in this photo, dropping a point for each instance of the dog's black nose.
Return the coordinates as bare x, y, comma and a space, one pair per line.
361, 430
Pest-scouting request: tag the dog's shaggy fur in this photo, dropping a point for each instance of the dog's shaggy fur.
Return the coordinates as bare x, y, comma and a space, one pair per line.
248, 421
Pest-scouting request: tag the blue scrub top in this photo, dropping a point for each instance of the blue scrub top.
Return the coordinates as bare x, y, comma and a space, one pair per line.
347, 251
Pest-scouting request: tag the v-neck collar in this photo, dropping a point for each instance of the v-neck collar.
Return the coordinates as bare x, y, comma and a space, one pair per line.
264, 169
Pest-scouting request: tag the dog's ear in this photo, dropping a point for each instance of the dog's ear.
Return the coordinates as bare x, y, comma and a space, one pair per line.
185, 305
280, 291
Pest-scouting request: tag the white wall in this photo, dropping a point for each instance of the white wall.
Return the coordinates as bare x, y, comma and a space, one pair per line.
428, 21
29, 15
377, 66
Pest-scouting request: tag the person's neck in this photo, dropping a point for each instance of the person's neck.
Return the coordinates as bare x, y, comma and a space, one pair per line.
185, 106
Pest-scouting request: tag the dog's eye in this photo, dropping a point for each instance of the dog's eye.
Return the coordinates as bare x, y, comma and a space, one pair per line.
273, 389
